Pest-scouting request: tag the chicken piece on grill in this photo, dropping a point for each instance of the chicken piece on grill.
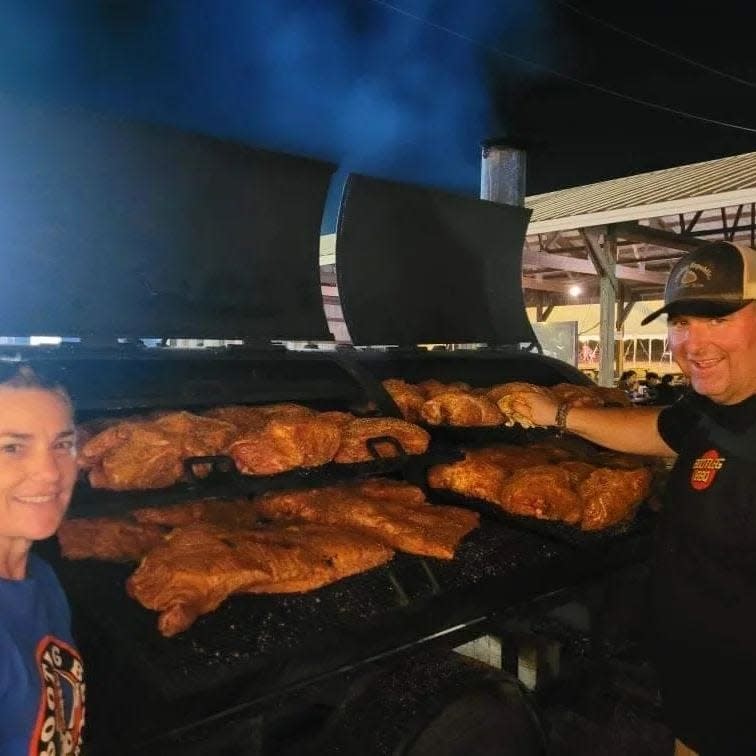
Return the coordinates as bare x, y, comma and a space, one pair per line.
417, 528
247, 418
577, 396
408, 398
354, 437
432, 387
200, 565
146, 458
482, 473
505, 395
509, 457
332, 553
108, 539
336, 417
286, 443
543, 491
150, 453
462, 409
577, 471
472, 477
199, 436
610, 496
386, 489
226, 512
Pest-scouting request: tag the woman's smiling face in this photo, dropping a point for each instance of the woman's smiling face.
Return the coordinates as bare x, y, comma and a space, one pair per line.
717, 354
37, 462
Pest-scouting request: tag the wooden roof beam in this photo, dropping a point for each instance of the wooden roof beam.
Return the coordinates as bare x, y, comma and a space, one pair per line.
632, 231
533, 259
560, 287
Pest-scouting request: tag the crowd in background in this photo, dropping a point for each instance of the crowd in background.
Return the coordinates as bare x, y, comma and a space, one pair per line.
652, 389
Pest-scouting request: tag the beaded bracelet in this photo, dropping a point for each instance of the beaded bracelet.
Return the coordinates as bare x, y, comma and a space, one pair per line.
561, 417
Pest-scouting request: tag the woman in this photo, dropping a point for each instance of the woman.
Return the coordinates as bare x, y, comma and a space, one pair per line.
41, 674
628, 382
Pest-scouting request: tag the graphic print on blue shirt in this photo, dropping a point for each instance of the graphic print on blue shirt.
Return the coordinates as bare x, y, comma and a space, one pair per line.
61, 709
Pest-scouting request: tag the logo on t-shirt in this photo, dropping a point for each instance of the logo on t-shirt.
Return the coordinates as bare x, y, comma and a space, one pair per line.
705, 469
61, 709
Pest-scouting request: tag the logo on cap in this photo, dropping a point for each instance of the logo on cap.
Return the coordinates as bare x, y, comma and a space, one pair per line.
689, 276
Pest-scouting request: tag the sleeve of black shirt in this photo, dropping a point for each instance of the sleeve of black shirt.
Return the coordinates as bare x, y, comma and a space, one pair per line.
675, 423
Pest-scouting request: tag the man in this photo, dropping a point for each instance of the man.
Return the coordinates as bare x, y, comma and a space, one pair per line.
704, 588
665, 392
651, 384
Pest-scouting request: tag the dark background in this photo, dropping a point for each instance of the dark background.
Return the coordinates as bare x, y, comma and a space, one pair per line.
406, 89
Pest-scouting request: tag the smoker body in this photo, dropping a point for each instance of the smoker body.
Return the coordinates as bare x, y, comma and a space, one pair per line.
138, 232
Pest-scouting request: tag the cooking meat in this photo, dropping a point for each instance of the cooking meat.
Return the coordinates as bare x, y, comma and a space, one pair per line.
150, 453
610, 496
387, 489
417, 528
408, 398
510, 457
246, 417
286, 443
577, 471
505, 396
482, 473
354, 437
108, 539
331, 554
432, 387
461, 408
143, 457
227, 512
240, 512
473, 477
543, 491
200, 565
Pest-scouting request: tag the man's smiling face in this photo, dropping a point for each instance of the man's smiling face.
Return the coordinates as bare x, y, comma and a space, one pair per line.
717, 354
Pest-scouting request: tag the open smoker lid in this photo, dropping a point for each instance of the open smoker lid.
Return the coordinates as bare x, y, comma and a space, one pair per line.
119, 229
421, 266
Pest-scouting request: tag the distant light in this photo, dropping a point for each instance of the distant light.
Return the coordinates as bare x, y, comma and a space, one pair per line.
575, 290
43, 340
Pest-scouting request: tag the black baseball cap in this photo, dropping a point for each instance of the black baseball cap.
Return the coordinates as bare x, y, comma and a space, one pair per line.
716, 279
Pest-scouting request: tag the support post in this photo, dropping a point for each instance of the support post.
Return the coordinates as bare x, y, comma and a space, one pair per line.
604, 258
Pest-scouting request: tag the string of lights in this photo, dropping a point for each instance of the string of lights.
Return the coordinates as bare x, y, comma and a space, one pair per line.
580, 82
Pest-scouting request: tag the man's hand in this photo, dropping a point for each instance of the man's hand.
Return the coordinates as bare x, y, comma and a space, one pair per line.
537, 408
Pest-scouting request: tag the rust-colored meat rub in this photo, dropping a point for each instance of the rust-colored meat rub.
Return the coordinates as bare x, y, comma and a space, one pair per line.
108, 538
200, 565
355, 435
407, 524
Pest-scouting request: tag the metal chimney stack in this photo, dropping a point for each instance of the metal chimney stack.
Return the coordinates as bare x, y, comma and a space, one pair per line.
502, 173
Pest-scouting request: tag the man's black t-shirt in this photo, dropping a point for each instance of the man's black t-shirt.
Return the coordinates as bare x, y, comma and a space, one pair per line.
704, 596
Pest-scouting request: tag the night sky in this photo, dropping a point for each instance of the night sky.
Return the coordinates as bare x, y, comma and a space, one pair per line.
405, 89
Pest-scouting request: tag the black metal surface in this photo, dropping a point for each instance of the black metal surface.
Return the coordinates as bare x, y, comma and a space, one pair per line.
421, 266
641, 522
253, 647
224, 481
116, 228
132, 378
470, 436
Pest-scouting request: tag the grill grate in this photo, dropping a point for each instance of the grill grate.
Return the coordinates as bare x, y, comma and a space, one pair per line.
255, 647
226, 482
